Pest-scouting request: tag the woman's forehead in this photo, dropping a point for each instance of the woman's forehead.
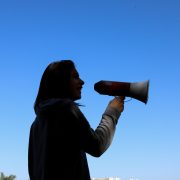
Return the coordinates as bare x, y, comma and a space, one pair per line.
74, 71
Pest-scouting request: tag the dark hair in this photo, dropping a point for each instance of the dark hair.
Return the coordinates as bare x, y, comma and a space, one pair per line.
55, 81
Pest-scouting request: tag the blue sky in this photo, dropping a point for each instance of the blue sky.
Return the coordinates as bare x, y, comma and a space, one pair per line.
119, 40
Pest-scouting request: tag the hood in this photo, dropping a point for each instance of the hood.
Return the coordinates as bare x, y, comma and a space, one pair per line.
50, 104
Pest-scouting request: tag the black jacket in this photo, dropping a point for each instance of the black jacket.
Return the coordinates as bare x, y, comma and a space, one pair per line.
59, 138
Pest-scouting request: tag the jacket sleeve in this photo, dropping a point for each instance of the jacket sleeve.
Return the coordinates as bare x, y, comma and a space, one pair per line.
96, 142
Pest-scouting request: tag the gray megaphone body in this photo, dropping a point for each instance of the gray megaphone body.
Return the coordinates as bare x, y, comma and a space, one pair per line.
136, 90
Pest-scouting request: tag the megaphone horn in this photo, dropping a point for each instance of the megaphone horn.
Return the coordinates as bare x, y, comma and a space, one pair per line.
136, 90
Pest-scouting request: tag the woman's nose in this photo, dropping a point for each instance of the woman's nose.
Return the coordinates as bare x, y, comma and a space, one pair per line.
82, 82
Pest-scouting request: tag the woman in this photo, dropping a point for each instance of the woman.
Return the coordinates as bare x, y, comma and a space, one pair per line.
61, 136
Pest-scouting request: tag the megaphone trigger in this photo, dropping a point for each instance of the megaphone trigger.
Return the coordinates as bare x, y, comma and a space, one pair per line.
128, 100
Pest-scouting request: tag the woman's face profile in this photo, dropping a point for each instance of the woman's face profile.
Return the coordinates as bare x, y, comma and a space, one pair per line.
75, 85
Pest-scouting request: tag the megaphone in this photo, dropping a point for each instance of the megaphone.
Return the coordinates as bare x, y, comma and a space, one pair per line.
136, 90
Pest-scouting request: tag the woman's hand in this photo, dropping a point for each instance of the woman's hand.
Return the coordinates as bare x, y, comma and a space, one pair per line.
117, 103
